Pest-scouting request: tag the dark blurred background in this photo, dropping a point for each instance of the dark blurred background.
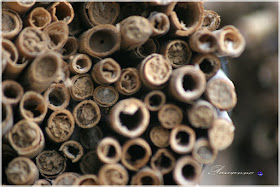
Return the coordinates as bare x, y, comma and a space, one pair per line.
255, 75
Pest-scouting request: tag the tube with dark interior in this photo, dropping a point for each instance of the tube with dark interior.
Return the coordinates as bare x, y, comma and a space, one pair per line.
27, 138
113, 174
42, 72
170, 115
155, 100
31, 42
163, 161
129, 117
142, 51
203, 42
70, 48
221, 134
155, 70
12, 92
22, 171
10, 57
87, 114
11, 24
80, 63
60, 126
57, 35
135, 31
57, 96
62, 11
88, 179
19, 6
187, 83
147, 176
90, 138
100, 41
177, 52
160, 23
160, 136
33, 107
73, 150
187, 171
7, 118
96, 13
211, 20
90, 163
50, 164
105, 96
182, 139
186, 18
129, 82
136, 154
202, 114
203, 152
109, 150
221, 93
230, 41
39, 18
209, 64
82, 87
106, 71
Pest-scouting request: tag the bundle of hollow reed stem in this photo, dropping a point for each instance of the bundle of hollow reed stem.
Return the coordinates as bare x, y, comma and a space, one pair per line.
114, 93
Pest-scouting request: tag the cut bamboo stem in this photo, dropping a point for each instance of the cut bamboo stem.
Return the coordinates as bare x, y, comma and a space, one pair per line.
221, 134
60, 125
142, 51
211, 20
21, 7
41, 182
11, 23
129, 82
182, 139
113, 174
12, 92
82, 87
7, 118
170, 115
27, 138
87, 114
42, 72
160, 23
39, 18
100, 41
209, 64
135, 31
155, 100
57, 97
187, 83
105, 96
129, 117
80, 63
160, 136
187, 171
57, 35
50, 163
107, 71
186, 18
203, 41
163, 161
70, 48
73, 150
177, 52
62, 11
109, 151
147, 176
136, 154
66, 178
33, 107
31, 42
203, 152
202, 114
155, 70
89, 179
22, 171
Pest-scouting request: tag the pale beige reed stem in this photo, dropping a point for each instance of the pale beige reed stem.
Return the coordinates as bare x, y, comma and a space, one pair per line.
7, 118
203, 152
105, 96
11, 24
21, 7
170, 115
155, 100
88, 179
62, 11
203, 41
12, 92
82, 87
160, 23
80, 63
160, 136
66, 178
147, 176
39, 18
109, 150
70, 48
113, 174
163, 161
211, 20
